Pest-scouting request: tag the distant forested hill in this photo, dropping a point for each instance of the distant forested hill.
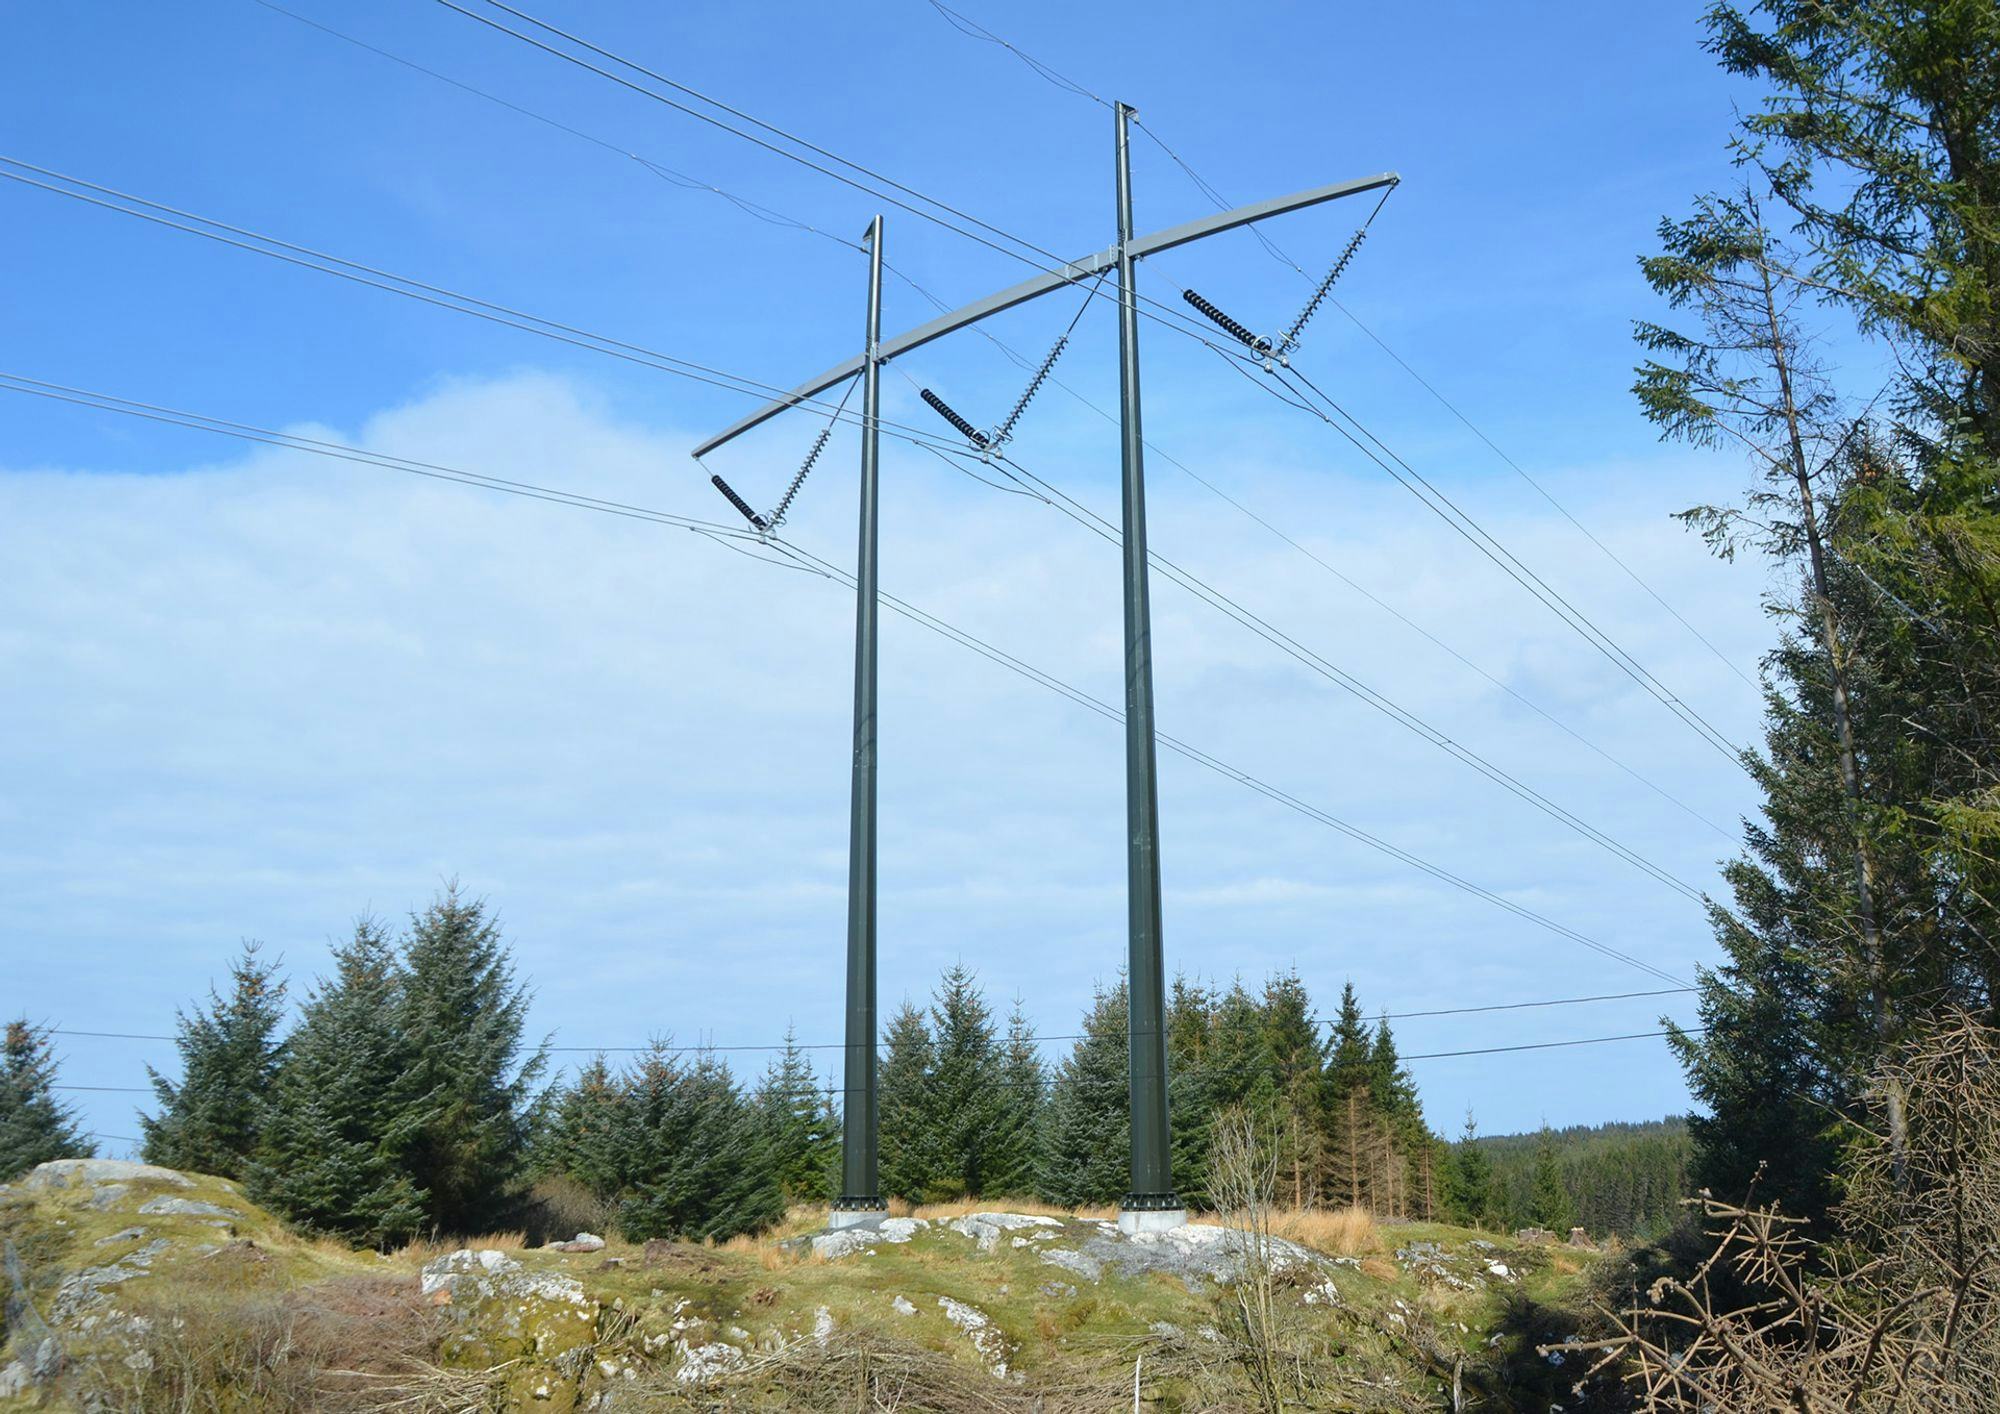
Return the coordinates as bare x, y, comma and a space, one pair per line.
1626, 1178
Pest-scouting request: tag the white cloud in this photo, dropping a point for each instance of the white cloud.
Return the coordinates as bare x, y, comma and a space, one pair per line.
261, 696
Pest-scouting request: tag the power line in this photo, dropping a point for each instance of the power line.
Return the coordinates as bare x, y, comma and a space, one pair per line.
1553, 1001
813, 564
1549, 496
1043, 259
659, 169
1555, 601
1490, 546
442, 297
1277, 253
1230, 607
1687, 714
1065, 1036
967, 26
1049, 1081
272, 247
773, 216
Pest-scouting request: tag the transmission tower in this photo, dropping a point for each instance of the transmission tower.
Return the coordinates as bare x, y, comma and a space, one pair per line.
1152, 1203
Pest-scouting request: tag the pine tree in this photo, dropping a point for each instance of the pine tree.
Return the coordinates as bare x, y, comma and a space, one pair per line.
1346, 1113
340, 1112
1550, 1204
1469, 1191
580, 1133
1191, 1085
963, 1099
462, 1016
696, 1162
1010, 1169
1297, 1061
800, 1134
35, 1126
208, 1123
1087, 1126
908, 1152
1865, 899
1404, 1137
1238, 1069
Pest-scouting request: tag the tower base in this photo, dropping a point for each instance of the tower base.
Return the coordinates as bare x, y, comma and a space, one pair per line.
1151, 1212
856, 1212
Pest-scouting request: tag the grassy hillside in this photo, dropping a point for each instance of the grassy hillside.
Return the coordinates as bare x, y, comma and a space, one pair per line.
146, 1289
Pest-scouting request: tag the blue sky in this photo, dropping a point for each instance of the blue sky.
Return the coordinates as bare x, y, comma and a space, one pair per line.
251, 694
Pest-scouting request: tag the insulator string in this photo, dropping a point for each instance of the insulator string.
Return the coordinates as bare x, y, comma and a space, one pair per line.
777, 516
1257, 343
945, 410
1291, 339
1006, 428
737, 501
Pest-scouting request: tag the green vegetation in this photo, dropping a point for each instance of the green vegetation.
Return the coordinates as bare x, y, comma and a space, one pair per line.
35, 1126
1621, 1178
229, 1056
215, 1304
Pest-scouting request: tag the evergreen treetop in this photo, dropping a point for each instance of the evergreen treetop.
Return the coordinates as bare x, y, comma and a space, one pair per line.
330, 1153
208, 1122
462, 1015
35, 1126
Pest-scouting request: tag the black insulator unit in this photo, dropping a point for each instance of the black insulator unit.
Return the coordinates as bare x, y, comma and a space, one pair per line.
944, 410
1226, 324
737, 501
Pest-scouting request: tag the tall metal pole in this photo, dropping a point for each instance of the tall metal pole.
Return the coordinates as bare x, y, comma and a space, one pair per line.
860, 1199
1152, 1203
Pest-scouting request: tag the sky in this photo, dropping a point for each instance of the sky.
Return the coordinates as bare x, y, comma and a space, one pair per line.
253, 694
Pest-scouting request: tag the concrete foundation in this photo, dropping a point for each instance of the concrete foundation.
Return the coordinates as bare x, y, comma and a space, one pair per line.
839, 1218
1132, 1221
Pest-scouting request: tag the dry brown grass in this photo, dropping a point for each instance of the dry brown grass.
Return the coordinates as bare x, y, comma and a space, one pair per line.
963, 1207
216, 1348
424, 1249
1339, 1232
1343, 1232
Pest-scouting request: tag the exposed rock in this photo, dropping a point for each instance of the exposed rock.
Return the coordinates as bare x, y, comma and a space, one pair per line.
503, 1311
846, 1241
82, 1173
701, 1363
582, 1242
130, 1234
1089, 1268
986, 1229
986, 1337
185, 1208
902, 1307
1190, 1252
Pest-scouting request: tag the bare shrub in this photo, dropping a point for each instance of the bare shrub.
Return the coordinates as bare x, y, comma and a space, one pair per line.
219, 1347
558, 1207
1901, 1316
876, 1374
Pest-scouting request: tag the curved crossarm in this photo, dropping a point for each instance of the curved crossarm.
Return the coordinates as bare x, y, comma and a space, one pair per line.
1058, 279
